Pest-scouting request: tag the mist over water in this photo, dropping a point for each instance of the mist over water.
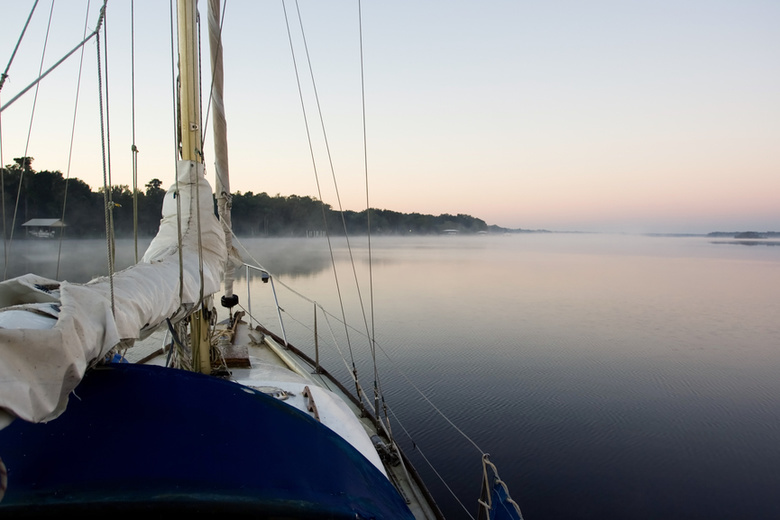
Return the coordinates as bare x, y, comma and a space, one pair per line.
609, 376
79, 260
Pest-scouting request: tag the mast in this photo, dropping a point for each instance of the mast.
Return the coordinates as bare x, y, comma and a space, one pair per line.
189, 89
192, 151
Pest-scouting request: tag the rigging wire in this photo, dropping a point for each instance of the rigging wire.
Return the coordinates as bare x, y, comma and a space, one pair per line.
430, 465
369, 333
133, 147
25, 164
50, 69
316, 175
109, 189
70, 149
335, 183
332, 169
372, 335
3, 77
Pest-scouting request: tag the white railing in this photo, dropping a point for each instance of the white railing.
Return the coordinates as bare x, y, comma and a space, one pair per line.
266, 277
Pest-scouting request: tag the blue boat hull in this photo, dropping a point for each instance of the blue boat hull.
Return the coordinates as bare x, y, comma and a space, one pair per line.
140, 439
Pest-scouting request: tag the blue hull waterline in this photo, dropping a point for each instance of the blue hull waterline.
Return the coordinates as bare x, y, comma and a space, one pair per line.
125, 446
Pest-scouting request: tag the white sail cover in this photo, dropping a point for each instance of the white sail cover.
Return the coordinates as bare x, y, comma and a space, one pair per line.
51, 331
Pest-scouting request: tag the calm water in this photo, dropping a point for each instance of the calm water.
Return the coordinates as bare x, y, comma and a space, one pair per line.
608, 376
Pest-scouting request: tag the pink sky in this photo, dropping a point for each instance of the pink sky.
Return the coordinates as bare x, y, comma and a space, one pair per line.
611, 116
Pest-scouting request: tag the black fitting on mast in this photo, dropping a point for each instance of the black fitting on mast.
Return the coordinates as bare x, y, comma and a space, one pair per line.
230, 301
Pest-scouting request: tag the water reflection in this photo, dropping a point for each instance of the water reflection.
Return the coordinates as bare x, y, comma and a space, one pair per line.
748, 242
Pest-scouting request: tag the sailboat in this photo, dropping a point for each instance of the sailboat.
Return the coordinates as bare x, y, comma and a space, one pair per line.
226, 418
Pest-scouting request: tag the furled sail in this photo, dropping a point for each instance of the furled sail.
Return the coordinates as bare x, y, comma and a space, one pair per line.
51, 331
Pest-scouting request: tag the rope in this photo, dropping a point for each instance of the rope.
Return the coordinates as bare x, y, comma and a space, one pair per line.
487, 504
105, 175
70, 149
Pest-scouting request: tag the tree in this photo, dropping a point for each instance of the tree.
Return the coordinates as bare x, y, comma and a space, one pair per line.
153, 187
24, 163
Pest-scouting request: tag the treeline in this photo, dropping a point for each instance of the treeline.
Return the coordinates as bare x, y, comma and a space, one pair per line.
42, 195
264, 215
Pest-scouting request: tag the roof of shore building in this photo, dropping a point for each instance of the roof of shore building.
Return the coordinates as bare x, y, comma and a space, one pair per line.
44, 222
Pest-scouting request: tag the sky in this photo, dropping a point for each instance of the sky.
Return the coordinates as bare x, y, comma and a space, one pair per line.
617, 116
